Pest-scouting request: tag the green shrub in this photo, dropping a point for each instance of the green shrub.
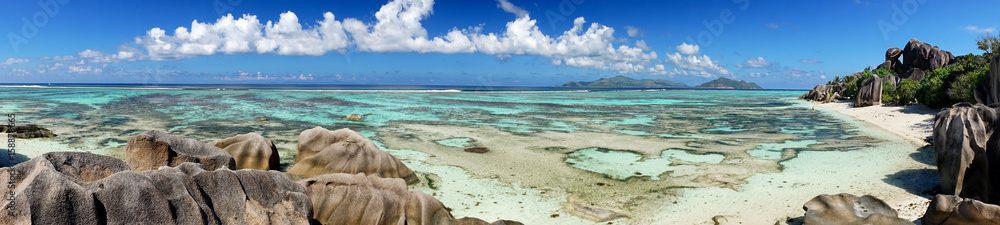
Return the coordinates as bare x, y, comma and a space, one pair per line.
931, 91
888, 92
905, 94
882, 73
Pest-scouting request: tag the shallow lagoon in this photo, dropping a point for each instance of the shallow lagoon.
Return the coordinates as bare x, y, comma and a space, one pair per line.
631, 152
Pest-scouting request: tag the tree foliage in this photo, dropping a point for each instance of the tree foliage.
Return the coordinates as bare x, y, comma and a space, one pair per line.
989, 44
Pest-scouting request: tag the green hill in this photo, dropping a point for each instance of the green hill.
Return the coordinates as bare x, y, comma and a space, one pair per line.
729, 84
626, 82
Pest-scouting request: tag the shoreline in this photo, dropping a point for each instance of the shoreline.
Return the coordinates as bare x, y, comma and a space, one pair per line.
911, 122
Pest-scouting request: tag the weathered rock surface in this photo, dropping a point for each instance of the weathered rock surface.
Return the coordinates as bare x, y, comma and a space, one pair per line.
357, 199
921, 55
153, 149
961, 134
47, 188
322, 151
871, 93
83, 188
369, 199
988, 92
892, 62
844, 209
954, 210
914, 74
250, 151
27, 131
820, 93
893, 79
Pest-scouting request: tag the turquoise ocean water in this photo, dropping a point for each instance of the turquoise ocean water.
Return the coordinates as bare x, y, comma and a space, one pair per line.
703, 130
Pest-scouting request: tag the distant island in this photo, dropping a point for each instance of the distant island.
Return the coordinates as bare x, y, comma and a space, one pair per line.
729, 84
626, 82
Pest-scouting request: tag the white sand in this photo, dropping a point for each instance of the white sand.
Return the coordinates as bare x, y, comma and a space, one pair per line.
913, 122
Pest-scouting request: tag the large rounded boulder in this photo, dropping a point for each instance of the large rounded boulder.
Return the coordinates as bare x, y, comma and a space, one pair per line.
83, 188
369, 199
961, 135
954, 210
845, 209
48, 190
820, 93
322, 151
357, 199
250, 151
871, 93
153, 149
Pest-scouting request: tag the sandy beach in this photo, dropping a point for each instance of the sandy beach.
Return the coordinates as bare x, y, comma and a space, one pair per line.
913, 122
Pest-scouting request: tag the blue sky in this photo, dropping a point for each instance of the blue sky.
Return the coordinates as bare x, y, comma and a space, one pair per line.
777, 44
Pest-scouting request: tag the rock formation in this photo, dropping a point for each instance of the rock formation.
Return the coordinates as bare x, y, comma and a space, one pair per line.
153, 149
954, 210
353, 117
322, 151
988, 92
844, 209
369, 199
892, 62
921, 55
27, 131
83, 188
961, 134
820, 93
250, 151
871, 93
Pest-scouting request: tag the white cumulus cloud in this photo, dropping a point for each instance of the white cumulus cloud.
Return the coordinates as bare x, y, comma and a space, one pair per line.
83, 69
697, 63
511, 8
12, 61
687, 49
634, 31
756, 62
397, 28
246, 35
976, 29
642, 45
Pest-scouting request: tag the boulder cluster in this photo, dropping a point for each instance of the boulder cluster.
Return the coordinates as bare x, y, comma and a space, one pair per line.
168, 179
917, 57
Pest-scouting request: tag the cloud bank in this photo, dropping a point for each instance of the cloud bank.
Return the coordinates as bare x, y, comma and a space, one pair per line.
397, 28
